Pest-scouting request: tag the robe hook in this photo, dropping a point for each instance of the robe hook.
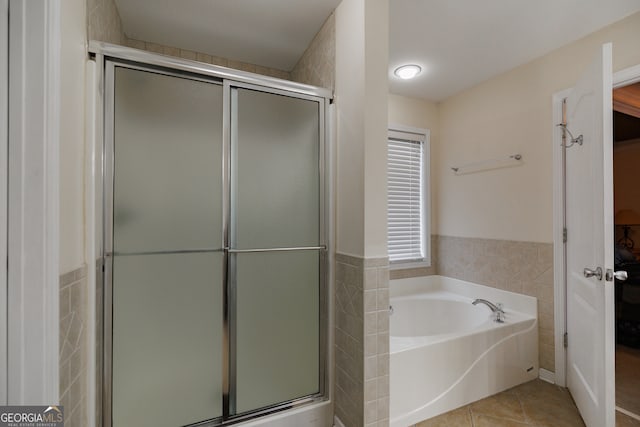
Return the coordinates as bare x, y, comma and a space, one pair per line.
579, 140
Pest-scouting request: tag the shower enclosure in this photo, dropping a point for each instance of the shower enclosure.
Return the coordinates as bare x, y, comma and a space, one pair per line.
215, 248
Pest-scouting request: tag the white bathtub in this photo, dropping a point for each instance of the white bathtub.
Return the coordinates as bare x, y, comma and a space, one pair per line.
446, 353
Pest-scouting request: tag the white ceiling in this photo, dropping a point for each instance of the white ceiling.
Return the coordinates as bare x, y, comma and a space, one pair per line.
271, 33
459, 43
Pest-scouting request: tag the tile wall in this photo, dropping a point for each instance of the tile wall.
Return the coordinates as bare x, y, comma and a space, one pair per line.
362, 341
103, 22
209, 59
317, 66
522, 267
73, 347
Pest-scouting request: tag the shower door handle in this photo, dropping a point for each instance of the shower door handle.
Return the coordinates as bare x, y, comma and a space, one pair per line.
277, 249
590, 273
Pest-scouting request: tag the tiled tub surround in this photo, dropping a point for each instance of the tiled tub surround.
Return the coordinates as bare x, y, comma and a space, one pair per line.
73, 347
446, 352
362, 341
521, 267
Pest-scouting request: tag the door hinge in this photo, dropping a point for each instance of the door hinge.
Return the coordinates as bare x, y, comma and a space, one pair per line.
564, 235
565, 340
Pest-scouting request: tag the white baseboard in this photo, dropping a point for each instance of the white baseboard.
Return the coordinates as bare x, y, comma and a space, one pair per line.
547, 376
337, 422
628, 413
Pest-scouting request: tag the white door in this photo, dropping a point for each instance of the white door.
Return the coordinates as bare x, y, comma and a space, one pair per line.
589, 210
4, 105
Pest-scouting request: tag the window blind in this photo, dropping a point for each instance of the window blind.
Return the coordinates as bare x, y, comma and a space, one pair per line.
405, 200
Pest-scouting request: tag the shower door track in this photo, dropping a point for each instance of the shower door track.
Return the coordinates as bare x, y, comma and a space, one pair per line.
111, 56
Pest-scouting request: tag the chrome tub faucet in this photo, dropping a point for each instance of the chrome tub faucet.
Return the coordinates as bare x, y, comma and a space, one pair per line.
495, 308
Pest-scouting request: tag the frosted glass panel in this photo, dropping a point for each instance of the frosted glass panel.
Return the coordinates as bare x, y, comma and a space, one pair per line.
168, 159
167, 339
275, 183
277, 327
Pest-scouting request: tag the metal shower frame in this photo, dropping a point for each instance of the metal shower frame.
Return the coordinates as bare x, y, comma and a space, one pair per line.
108, 57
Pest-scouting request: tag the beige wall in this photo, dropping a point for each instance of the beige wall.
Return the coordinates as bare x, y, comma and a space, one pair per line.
361, 112
413, 112
375, 127
73, 357
72, 63
80, 20
349, 118
510, 114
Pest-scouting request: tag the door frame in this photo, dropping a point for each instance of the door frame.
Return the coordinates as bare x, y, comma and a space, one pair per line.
621, 78
4, 137
33, 200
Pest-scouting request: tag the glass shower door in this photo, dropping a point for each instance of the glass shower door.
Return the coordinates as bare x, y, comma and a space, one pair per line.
167, 271
215, 259
275, 249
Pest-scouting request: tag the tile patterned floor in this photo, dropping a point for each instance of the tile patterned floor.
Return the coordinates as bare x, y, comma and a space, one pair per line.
536, 403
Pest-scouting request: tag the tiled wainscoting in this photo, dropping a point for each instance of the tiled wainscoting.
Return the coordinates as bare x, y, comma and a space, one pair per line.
523, 267
362, 341
73, 347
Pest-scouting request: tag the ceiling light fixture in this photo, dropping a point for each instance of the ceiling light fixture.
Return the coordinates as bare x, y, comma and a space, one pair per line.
407, 72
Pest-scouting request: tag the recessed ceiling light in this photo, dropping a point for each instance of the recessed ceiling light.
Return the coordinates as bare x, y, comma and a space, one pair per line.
407, 72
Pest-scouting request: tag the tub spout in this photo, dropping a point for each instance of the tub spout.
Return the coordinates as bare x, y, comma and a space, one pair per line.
495, 308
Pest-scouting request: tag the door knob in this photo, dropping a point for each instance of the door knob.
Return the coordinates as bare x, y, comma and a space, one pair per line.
618, 275
590, 273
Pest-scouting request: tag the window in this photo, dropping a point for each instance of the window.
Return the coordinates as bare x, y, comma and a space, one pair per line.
408, 197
